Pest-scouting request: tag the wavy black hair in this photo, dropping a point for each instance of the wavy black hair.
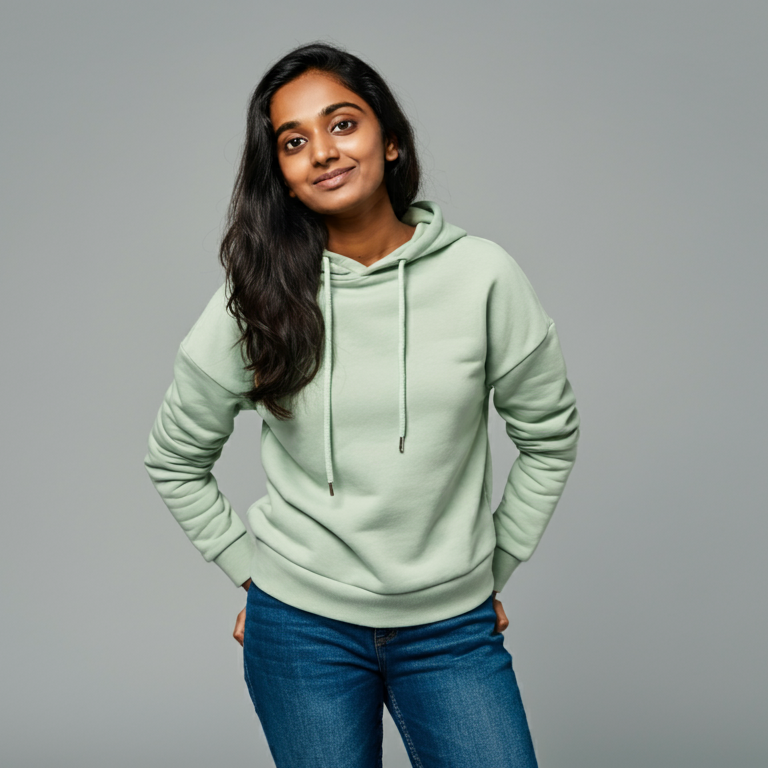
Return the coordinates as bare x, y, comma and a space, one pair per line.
273, 244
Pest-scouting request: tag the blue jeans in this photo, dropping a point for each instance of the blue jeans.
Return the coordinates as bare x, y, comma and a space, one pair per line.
318, 686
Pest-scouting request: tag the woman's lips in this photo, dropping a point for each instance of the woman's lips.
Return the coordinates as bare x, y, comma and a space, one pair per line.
335, 181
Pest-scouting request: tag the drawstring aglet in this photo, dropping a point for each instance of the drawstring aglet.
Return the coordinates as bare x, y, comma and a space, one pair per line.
330, 485
402, 444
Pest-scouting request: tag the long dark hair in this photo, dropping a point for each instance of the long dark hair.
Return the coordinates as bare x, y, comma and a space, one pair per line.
272, 249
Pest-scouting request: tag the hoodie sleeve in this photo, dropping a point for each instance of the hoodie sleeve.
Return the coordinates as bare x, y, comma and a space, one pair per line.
195, 420
531, 392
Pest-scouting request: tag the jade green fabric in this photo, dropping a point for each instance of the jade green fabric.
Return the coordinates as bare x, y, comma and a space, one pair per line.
378, 506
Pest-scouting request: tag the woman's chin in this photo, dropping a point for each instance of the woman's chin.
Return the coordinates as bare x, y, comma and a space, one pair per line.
337, 202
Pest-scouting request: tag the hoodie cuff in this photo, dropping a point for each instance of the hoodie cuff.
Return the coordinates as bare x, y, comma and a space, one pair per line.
502, 567
235, 560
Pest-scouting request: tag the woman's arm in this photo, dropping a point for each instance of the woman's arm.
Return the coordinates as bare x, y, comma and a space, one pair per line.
195, 420
536, 401
531, 392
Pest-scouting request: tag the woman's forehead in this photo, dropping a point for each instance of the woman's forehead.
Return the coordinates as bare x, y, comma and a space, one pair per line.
306, 96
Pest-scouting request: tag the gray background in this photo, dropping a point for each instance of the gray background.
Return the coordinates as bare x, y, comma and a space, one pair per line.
617, 149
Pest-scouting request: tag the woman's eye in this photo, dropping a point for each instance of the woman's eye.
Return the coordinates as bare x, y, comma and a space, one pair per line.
345, 125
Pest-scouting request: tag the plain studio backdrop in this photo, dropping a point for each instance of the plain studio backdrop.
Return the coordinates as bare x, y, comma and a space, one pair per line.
617, 150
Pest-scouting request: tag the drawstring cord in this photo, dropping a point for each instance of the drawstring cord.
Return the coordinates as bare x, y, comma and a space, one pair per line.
401, 282
328, 362
327, 365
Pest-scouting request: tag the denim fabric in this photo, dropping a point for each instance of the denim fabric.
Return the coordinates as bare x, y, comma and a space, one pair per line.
319, 685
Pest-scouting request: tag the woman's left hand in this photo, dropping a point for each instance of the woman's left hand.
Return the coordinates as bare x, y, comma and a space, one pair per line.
502, 622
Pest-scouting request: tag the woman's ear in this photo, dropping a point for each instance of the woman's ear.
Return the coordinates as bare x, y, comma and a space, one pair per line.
391, 151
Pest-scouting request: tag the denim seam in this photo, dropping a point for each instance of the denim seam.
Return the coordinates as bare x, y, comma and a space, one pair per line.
382, 663
380, 762
411, 748
248, 679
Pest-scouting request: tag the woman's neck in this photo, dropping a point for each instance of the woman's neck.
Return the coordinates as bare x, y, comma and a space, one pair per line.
369, 233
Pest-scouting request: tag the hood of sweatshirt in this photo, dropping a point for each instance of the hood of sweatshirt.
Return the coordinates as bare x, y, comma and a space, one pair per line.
432, 234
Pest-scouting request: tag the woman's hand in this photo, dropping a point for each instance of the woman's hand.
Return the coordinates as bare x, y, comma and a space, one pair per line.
239, 633
502, 622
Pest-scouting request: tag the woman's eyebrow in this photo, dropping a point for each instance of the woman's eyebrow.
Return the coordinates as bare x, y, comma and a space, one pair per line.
324, 112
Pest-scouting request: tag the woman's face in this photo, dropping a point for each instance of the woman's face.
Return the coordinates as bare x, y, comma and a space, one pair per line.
320, 127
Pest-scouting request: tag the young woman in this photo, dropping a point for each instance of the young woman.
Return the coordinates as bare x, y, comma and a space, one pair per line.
369, 334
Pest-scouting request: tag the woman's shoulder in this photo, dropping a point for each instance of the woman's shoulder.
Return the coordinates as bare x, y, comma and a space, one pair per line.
213, 343
492, 260
511, 296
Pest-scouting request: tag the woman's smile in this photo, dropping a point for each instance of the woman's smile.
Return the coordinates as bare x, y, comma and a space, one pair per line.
334, 178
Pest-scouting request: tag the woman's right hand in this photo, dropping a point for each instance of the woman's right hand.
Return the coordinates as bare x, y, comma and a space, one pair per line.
239, 633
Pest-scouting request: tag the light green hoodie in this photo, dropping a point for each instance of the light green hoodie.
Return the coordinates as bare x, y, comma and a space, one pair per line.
378, 505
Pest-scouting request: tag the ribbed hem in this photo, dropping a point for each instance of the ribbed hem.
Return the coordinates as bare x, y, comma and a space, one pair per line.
301, 588
503, 565
235, 560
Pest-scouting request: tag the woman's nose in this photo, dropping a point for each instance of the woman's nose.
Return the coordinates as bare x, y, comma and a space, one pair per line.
323, 149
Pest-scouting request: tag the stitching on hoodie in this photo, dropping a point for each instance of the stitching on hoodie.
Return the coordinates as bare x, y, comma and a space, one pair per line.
414, 755
550, 326
205, 373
